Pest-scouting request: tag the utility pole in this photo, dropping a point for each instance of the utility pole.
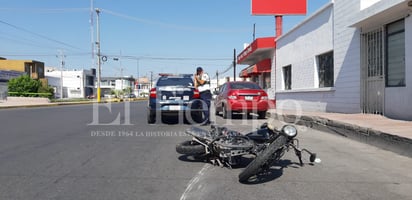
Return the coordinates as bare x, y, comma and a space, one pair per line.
99, 63
151, 79
234, 64
254, 31
62, 56
121, 72
92, 32
217, 78
138, 78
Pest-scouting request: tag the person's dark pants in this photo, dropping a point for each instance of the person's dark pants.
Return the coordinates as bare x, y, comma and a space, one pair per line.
206, 96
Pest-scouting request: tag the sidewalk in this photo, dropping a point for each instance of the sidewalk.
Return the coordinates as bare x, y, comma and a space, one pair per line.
13, 102
29, 102
377, 130
26, 102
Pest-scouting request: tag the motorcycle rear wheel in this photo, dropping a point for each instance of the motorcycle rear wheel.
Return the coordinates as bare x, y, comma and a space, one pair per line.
190, 148
256, 165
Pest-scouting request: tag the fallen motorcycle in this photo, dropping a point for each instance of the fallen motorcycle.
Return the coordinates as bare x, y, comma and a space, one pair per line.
225, 147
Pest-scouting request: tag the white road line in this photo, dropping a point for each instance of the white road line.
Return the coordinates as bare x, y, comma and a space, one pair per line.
194, 181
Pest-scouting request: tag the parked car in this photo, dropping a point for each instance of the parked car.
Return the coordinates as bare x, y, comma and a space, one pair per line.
130, 96
173, 95
241, 97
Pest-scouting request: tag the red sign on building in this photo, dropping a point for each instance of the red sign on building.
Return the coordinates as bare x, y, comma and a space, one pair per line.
278, 7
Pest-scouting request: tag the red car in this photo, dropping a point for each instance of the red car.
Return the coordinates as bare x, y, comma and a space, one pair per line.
242, 97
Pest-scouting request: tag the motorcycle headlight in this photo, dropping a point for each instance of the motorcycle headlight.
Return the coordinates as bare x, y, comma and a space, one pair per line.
290, 130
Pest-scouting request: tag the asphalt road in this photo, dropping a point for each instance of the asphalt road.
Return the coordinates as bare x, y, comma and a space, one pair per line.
110, 152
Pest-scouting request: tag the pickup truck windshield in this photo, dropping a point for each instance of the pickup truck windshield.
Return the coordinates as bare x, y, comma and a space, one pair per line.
175, 81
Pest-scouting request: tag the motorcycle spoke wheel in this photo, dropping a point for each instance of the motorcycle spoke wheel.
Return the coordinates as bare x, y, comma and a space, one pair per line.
256, 166
190, 148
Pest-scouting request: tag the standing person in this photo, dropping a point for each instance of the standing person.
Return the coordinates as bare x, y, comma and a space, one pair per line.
202, 83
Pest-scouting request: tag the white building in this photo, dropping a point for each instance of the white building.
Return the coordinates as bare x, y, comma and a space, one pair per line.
76, 83
215, 83
142, 87
116, 84
351, 56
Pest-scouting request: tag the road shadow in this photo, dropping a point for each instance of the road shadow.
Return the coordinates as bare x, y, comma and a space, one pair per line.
240, 116
173, 120
274, 172
201, 158
192, 158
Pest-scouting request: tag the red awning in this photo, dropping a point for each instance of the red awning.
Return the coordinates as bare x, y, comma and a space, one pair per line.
261, 67
244, 73
260, 49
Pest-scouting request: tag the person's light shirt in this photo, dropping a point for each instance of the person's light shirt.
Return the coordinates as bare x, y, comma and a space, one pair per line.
206, 85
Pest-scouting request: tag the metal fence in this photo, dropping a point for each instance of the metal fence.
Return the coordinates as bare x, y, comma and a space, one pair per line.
373, 83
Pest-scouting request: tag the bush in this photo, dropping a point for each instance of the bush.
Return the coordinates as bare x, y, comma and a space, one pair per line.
24, 86
45, 91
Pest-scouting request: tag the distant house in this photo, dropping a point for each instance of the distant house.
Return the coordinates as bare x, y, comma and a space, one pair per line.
31, 67
5, 76
142, 86
76, 83
109, 84
14, 68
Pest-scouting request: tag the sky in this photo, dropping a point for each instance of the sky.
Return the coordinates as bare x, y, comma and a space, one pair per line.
156, 36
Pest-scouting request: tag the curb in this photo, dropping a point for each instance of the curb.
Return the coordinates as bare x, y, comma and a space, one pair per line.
66, 104
383, 140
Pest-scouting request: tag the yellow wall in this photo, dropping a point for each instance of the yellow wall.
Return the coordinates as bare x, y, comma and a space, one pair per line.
16, 65
19, 65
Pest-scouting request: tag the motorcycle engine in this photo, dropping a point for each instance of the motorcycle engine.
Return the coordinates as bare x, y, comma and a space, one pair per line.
232, 144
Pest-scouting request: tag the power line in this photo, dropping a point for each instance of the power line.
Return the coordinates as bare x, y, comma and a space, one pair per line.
39, 35
44, 55
24, 41
174, 26
166, 58
44, 10
134, 57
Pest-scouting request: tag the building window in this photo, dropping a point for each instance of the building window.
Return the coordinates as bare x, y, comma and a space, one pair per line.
287, 77
40, 71
395, 54
325, 69
266, 80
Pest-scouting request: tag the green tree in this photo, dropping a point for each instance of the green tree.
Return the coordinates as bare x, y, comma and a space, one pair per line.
24, 84
127, 90
46, 91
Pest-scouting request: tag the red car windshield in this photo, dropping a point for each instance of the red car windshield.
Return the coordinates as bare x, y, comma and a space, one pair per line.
244, 85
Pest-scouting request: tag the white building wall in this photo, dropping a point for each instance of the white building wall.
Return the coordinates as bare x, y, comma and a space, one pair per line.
398, 99
340, 32
74, 82
299, 48
367, 3
346, 59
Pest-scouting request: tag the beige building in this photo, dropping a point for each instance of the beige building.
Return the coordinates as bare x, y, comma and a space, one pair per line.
33, 68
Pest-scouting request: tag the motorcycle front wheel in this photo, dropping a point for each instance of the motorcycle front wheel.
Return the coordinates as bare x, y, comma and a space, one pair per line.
261, 159
190, 148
